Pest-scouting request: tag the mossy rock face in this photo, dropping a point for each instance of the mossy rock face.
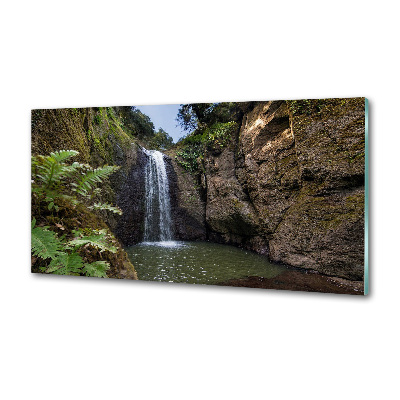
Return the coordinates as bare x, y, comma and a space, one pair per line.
229, 211
101, 138
61, 129
294, 183
330, 142
97, 134
323, 233
268, 162
131, 199
307, 181
188, 207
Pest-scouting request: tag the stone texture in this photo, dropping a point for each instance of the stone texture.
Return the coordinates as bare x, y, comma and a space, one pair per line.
291, 185
131, 199
230, 216
187, 204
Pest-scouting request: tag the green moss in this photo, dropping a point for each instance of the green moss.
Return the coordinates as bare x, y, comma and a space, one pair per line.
283, 163
325, 107
97, 119
237, 204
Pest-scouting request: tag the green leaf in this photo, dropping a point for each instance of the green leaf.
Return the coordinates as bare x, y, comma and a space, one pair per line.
93, 177
62, 155
106, 206
97, 268
66, 264
97, 240
44, 243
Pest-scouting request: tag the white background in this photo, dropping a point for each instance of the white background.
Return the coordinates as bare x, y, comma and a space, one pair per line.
77, 338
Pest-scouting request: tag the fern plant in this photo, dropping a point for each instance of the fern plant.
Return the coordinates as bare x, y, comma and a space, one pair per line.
106, 206
96, 238
56, 178
93, 177
45, 243
53, 178
63, 254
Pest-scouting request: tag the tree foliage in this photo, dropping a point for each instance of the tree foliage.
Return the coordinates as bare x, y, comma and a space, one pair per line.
199, 116
161, 140
143, 128
211, 125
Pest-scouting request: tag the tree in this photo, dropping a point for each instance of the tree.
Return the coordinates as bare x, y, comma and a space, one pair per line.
161, 140
199, 116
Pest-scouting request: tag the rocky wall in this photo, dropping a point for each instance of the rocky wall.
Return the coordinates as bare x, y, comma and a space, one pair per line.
291, 185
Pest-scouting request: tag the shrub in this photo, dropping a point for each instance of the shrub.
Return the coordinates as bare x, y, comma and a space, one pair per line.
194, 146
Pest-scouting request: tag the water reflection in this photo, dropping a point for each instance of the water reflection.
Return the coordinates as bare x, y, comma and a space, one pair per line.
198, 262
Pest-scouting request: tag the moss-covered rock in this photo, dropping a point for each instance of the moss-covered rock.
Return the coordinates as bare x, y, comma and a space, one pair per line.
292, 185
187, 201
101, 138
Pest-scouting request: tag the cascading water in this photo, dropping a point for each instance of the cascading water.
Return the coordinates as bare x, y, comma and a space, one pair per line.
157, 223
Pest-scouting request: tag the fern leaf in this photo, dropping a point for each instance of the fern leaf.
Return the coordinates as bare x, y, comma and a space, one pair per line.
97, 268
62, 155
66, 264
50, 170
106, 206
94, 176
44, 243
96, 240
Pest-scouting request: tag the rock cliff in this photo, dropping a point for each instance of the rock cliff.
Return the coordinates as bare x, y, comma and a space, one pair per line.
291, 185
187, 204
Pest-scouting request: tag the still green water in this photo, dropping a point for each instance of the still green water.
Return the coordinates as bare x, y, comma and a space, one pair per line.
198, 262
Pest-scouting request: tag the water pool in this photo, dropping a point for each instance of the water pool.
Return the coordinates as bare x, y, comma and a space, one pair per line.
198, 262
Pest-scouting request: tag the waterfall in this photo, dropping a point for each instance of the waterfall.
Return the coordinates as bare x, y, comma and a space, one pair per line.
157, 222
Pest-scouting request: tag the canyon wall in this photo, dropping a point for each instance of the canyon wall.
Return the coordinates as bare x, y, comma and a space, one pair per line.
290, 185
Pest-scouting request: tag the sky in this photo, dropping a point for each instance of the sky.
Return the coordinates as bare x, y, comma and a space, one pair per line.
164, 116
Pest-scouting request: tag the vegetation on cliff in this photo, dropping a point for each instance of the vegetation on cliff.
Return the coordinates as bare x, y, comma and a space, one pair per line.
101, 135
139, 125
211, 127
68, 237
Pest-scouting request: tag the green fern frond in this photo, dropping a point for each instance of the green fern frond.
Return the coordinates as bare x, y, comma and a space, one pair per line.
62, 155
50, 170
44, 243
97, 268
66, 264
54, 180
92, 177
98, 240
106, 206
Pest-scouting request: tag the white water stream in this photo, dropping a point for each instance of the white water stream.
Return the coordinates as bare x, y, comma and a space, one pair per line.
157, 223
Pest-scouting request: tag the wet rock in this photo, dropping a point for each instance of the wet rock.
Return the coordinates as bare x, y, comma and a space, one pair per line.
300, 281
187, 205
131, 200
